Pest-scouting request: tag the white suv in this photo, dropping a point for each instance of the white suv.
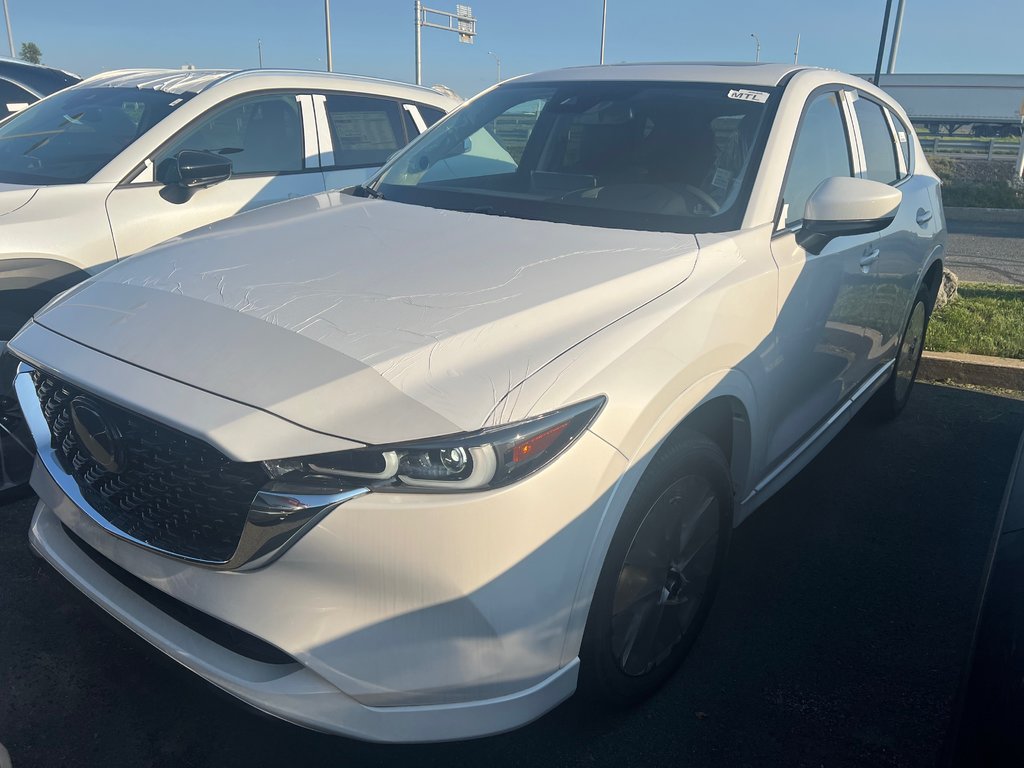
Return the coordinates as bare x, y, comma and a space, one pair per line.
125, 160
410, 464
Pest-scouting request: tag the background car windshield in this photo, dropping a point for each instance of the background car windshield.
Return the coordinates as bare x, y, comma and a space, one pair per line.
664, 156
68, 137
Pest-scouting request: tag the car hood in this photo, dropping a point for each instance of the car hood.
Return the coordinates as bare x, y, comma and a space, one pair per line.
14, 196
366, 319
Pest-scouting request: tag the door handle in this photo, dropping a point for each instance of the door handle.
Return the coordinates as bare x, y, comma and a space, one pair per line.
868, 259
923, 216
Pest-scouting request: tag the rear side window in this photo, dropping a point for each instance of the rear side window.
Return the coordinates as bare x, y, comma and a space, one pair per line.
879, 149
366, 130
430, 115
902, 139
821, 150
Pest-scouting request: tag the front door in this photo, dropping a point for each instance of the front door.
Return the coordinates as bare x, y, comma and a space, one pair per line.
273, 154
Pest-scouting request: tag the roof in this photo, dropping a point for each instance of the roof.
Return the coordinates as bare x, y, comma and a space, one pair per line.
197, 80
170, 80
765, 75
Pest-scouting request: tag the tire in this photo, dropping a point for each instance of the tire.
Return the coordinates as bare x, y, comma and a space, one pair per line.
892, 398
639, 628
15, 461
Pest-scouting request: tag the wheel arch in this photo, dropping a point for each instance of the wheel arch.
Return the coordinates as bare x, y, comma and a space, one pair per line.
721, 406
932, 277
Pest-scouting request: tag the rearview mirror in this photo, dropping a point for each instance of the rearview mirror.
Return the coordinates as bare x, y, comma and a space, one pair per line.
201, 169
842, 205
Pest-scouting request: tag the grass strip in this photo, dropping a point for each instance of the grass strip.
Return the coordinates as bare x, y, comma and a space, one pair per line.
987, 319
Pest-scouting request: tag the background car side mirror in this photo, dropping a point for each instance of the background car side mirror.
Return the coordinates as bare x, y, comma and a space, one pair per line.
843, 205
200, 169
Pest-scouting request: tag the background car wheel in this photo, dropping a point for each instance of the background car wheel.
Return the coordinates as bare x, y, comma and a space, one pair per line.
892, 398
661, 573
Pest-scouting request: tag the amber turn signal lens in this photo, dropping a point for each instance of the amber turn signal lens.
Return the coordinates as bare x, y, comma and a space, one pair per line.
538, 443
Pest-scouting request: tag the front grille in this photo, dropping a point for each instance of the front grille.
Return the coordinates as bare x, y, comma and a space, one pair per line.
168, 490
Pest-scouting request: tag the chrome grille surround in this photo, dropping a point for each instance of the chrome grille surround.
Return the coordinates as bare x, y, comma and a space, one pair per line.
177, 495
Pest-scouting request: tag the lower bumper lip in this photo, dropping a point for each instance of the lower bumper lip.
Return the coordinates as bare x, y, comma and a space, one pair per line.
290, 691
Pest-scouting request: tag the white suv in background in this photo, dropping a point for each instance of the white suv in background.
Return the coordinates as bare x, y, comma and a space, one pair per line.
128, 159
480, 430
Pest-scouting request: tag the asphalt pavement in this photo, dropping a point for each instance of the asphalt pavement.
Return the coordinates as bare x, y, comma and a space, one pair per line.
990, 252
838, 637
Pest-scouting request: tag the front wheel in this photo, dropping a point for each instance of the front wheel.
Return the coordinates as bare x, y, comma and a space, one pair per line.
893, 396
661, 573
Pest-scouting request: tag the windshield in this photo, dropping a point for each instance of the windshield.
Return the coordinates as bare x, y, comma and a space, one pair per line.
676, 157
68, 137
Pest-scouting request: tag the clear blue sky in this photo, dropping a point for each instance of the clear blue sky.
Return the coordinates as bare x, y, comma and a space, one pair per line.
375, 37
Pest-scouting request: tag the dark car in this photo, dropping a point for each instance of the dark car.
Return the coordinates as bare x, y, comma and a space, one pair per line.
22, 84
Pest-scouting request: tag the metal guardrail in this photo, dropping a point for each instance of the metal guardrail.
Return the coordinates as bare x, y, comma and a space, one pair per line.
971, 149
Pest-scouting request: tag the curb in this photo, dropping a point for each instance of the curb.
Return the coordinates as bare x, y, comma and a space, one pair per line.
977, 370
1000, 215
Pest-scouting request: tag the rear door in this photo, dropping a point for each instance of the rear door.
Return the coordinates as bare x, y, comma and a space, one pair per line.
273, 151
820, 354
889, 284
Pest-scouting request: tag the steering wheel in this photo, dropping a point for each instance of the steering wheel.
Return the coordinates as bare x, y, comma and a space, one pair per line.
704, 197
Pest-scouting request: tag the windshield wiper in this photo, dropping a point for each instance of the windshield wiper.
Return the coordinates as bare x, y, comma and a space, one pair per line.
363, 190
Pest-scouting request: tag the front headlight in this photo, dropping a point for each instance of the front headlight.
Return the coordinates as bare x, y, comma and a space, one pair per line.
489, 458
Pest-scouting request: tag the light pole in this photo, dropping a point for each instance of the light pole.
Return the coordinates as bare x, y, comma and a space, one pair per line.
7, 22
497, 60
757, 51
897, 30
327, 28
604, 24
881, 41
462, 22
259, 48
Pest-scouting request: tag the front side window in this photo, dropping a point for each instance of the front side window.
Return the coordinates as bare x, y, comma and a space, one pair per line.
879, 150
633, 155
821, 150
260, 134
68, 137
366, 130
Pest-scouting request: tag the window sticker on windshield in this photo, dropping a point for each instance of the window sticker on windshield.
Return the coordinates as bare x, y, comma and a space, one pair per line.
721, 178
744, 95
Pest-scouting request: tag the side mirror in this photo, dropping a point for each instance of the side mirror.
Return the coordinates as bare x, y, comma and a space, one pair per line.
201, 169
842, 205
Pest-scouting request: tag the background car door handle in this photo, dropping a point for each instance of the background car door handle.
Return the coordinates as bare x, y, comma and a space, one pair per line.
923, 216
868, 259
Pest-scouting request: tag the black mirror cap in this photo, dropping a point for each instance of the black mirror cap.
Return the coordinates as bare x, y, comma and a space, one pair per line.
814, 235
201, 169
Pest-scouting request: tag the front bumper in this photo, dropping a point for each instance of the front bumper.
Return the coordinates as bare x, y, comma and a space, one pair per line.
402, 617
